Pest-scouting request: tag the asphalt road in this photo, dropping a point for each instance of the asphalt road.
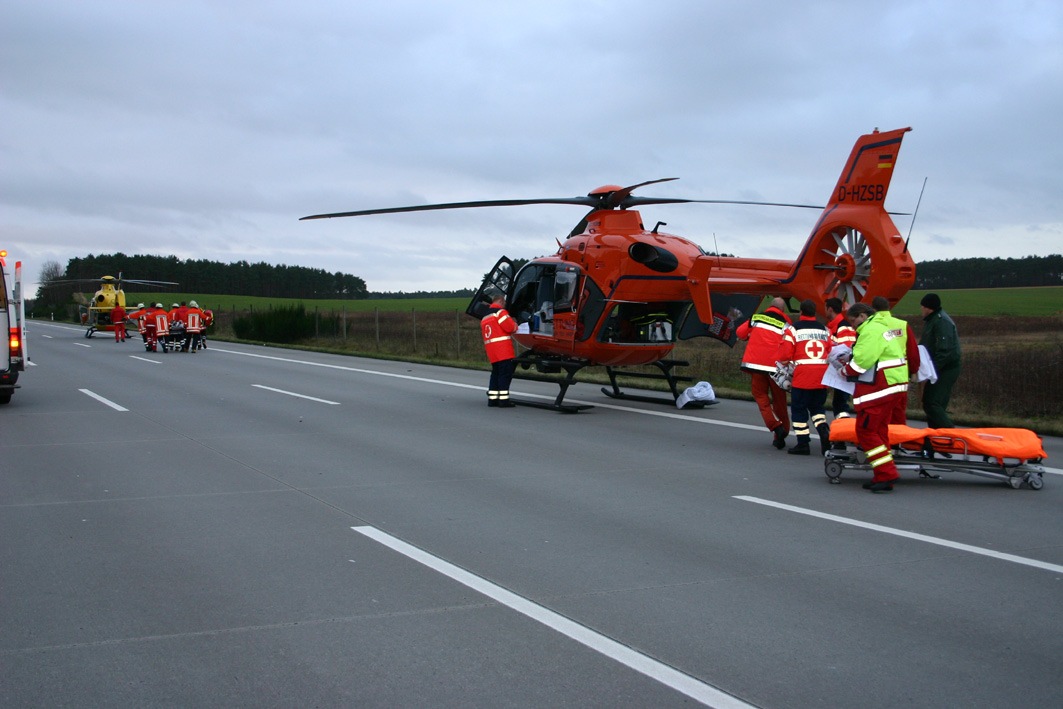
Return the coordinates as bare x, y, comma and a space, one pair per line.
252, 526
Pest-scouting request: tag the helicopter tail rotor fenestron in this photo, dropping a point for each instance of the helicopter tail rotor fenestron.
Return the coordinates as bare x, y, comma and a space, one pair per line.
855, 250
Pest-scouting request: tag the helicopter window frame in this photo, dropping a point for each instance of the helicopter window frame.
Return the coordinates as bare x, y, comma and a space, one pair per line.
591, 307
525, 284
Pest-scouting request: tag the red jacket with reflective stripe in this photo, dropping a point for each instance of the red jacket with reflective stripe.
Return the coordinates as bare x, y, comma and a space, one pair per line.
764, 332
496, 328
841, 332
806, 344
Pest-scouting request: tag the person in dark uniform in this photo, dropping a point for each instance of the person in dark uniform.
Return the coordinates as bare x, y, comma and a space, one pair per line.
942, 341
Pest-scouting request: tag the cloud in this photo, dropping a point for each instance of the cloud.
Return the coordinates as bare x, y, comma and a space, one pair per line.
206, 129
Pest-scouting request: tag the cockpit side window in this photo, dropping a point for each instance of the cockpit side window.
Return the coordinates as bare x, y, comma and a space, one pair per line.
565, 283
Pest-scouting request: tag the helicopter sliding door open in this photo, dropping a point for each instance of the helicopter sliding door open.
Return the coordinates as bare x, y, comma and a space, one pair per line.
643, 323
727, 312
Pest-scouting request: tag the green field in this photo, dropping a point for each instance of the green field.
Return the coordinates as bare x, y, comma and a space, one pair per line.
1027, 302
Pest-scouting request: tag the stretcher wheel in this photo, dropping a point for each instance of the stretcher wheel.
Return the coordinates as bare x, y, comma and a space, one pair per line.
1034, 481
833, 469
1015, 482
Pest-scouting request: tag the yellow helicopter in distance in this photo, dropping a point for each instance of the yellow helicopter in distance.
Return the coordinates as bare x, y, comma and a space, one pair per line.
96, 315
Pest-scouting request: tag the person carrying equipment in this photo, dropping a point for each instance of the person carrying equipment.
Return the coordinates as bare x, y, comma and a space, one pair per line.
764, 332
881, 349
193, 326
806, 344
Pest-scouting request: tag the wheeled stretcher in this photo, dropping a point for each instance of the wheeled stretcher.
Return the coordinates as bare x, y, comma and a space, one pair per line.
1011, 455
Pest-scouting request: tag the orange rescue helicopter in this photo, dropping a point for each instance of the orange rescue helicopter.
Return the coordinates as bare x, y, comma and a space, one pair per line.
617, 295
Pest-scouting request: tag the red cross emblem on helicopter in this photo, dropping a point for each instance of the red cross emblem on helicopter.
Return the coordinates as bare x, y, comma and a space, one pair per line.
816, 349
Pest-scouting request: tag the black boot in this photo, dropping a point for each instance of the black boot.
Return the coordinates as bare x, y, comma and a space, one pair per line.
801, 448
824, 438
780, 437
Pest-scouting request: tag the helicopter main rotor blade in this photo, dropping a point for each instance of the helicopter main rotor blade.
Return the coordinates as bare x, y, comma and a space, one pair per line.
584, 201
638, 201
620, 197
151, 283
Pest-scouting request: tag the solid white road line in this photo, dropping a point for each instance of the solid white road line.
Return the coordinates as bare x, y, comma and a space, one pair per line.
597, 404
82, 344
668, 676
145, 359
1055, 568
100, 399
301, 396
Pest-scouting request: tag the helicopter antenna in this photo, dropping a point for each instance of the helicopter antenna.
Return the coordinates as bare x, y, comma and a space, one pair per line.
717, 247
914, 215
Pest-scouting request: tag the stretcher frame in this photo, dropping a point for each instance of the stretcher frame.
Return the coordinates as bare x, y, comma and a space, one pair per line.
934, 454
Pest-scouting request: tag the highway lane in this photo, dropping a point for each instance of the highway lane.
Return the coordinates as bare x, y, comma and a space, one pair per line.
236, 536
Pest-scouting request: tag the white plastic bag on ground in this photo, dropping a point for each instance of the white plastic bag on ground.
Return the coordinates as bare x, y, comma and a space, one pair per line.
702, 391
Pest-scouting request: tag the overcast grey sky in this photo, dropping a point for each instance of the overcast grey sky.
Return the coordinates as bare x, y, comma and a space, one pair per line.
206, 129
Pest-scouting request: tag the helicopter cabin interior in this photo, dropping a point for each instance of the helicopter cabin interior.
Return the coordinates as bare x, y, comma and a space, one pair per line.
542, 290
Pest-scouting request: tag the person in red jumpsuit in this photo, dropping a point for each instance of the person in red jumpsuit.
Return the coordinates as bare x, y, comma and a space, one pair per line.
764, 333
118, 320
496, 328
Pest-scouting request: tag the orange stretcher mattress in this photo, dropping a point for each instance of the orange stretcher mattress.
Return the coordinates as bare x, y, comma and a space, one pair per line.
1000, 443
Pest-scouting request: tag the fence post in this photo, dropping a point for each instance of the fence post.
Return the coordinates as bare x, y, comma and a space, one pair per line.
414, 311
344, 326
376, 318
317, 323
457, 333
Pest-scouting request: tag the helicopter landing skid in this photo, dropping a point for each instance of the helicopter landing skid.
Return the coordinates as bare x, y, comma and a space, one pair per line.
656, 399
563, 408
552, 366
666, 366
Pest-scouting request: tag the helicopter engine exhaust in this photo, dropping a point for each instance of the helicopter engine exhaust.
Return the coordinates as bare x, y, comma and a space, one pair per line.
653, 257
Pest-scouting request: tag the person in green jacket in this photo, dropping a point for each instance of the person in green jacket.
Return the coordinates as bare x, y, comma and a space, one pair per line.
942, 341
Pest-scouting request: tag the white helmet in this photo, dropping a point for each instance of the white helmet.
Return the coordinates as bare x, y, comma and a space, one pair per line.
193, 304
140, 305
158, 305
